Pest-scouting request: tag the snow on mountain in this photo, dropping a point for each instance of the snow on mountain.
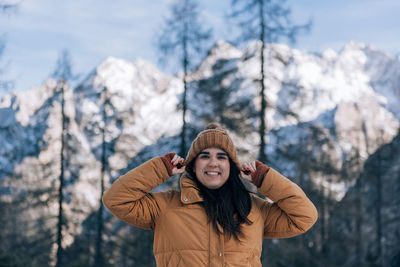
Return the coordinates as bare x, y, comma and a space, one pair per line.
344, 105
222, 51
141, 108
326, 114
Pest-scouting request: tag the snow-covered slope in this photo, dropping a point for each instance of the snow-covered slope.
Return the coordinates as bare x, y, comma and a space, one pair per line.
326, 114
141, 107
354, 94
333, 107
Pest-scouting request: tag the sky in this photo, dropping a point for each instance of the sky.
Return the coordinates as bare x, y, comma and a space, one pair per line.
92, 30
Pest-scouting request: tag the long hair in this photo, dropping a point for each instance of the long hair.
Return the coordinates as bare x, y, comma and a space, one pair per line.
228, 205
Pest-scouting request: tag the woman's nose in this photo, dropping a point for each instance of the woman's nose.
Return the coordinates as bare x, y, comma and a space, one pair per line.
213, 161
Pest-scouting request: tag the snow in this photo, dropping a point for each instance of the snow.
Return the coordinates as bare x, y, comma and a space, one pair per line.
26, 103
222, 51
350, 97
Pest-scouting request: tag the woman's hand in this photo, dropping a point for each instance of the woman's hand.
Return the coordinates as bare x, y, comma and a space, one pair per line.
173, 163
247, 170
177, 162
254, 172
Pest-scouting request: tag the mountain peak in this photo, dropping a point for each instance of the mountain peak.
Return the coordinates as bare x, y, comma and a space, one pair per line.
223, 49
220, 52
353, 45
325, 115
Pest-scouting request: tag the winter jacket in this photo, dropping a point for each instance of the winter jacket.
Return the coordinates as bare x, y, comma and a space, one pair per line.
182, 234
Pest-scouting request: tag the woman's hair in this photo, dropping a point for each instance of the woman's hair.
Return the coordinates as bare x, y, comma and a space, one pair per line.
228, 205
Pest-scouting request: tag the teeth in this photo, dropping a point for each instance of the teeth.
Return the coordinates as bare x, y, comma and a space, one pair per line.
212, 173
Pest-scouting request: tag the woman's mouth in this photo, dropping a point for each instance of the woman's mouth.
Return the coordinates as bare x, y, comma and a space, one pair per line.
210, 173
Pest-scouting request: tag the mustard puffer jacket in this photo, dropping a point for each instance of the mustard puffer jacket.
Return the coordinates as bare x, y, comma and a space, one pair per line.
182, 234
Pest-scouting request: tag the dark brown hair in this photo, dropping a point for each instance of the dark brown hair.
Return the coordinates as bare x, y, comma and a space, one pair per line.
228, 205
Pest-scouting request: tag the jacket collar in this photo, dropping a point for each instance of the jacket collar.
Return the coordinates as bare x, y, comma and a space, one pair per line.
190, 193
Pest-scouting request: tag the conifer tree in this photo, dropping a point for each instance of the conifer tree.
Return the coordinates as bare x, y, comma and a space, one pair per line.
63, 74
266, 21
221, 102
184, 35
4, 8
98, 262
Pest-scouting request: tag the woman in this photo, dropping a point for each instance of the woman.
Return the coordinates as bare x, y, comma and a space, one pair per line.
213, 220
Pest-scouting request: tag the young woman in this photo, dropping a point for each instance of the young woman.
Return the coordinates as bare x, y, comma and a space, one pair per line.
213, 220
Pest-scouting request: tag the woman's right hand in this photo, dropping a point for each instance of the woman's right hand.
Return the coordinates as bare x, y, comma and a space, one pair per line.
177, 162
173, 163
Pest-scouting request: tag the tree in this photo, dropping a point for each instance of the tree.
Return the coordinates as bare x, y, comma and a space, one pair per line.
223, 103
63, 70
4, 8
183, 34
63, 74
4, 84
266, 21
8, 7
98, 262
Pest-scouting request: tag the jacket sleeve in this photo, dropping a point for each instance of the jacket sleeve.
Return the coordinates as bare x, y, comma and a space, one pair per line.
291, 212
129, 197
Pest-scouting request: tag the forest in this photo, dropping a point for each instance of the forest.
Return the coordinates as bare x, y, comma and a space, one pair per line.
315, 118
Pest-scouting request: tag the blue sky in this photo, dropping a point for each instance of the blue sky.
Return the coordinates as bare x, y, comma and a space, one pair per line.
92, 30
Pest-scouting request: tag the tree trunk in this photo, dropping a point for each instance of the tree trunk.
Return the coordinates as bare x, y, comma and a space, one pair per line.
184, 103
99, 241
359, 220
322, 218
262, 156
378, 215
61, 180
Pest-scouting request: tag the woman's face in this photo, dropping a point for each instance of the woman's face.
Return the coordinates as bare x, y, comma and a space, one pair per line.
212, 167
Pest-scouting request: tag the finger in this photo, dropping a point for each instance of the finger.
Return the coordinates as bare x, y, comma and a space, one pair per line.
178, 161
178, 170
253, 166
175, 160
246, 169
246, 165
170, 155
182, 169
246, 176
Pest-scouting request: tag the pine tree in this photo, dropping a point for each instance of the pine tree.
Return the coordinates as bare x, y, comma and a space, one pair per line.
98, 262
222, 103
63, 74
266, 21
183, 34
4, 8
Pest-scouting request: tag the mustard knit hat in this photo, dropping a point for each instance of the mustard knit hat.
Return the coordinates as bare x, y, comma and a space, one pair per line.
212, 136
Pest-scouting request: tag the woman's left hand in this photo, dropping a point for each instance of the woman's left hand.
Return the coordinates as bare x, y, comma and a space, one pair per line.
247, 170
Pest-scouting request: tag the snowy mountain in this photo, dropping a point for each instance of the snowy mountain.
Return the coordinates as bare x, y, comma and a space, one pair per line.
341, 105
326, 115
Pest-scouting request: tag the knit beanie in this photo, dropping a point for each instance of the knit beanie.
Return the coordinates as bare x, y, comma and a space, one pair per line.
212, 136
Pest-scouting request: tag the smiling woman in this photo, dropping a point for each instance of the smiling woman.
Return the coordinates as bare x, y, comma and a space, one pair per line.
212, 167
213, 220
